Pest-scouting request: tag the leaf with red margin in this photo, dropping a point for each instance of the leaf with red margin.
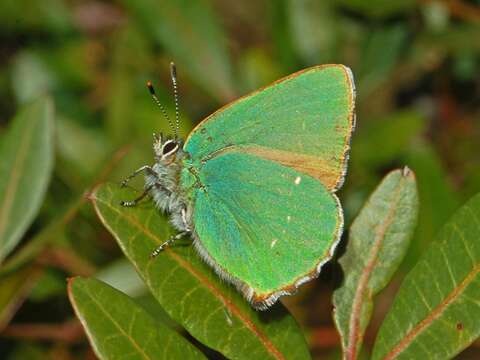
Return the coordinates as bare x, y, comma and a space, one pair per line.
118, 328
378, 240
190, 292
435, 313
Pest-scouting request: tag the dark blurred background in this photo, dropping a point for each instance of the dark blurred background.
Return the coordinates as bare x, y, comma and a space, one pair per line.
416, 64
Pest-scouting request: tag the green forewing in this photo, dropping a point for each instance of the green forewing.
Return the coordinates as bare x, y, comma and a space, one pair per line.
264, 224
303, 121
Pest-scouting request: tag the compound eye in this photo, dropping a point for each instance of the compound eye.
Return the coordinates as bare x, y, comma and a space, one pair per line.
169, 148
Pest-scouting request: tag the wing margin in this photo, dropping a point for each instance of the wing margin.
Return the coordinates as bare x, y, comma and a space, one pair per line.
216, 248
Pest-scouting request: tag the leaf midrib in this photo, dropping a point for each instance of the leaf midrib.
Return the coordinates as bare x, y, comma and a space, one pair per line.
269, 346
359, 297
434, 314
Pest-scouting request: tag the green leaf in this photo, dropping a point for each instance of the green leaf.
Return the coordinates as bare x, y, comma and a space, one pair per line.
48, 235
75, 144
24, 15
379, 8
282, 44
378, 240
121, 275
54, 231
26, 151
31, 77
400, 128
119, 328
435, 313
380, 53
438, 200
190, 32
314, 30
14, 288
190, 292
122, 106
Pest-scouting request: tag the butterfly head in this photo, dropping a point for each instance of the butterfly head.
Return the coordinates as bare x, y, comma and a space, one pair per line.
165, 149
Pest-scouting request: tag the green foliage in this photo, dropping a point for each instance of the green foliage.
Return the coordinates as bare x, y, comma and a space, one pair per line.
416, 69
438, 201
191, 34
14, 287
381, 52
118, 327
378, 241
180, 281
404, 125
379, 8
435, 313
27, 161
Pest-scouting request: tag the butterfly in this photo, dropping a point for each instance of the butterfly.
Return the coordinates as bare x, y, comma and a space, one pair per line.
254, 183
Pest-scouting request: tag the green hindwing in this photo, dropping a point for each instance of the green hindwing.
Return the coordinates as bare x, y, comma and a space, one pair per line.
266, 169
262, 226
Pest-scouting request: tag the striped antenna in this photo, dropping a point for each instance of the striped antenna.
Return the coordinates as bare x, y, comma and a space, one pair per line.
173, 74
155, 98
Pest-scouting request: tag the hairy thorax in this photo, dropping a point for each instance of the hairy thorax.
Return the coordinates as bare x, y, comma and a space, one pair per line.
167, 192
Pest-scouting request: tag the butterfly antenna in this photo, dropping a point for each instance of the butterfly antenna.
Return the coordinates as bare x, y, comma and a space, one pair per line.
155, 98
173, 74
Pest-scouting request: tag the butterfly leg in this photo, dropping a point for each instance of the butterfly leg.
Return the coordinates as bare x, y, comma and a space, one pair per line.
145, 168
159, 249
134, 202
184, 219
197, 178
124, 183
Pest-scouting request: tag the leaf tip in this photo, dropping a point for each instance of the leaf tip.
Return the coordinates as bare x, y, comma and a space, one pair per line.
70, 281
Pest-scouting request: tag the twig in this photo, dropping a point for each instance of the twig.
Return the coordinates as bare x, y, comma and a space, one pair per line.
69, 332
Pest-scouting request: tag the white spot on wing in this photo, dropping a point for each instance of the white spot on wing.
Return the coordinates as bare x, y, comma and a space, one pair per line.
289, 218
298, 180
274, 241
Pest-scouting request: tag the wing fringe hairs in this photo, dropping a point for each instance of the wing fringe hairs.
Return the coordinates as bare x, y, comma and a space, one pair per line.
262, 302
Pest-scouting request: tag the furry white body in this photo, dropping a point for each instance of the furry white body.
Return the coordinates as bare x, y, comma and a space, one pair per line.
164, 189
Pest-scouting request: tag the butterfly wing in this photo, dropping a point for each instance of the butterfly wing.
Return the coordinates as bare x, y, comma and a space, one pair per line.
265, 215
303, 121
263, 226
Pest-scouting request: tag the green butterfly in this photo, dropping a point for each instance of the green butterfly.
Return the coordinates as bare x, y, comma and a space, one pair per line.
254, 183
